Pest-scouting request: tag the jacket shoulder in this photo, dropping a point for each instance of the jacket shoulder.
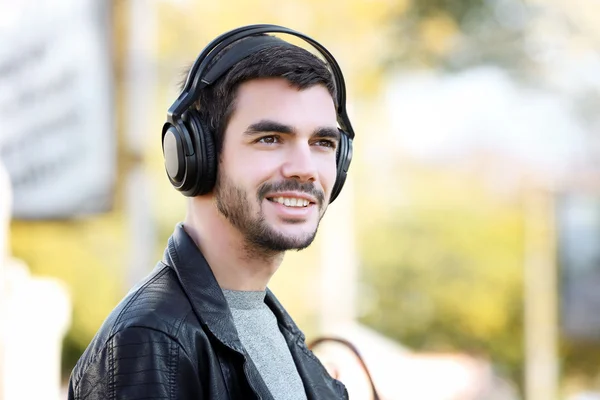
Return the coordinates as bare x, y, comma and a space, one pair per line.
157, 304
138, 363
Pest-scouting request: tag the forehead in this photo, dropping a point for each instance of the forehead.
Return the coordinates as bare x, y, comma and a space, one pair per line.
276, 99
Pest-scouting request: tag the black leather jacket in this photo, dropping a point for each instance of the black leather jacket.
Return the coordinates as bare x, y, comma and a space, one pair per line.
173, 337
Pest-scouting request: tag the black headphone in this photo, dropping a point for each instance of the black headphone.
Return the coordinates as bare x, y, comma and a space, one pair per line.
188, 149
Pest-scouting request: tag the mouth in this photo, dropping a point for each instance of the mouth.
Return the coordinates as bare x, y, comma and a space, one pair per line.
291, 201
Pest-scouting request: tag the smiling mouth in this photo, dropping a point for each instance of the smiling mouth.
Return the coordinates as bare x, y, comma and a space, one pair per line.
290, 201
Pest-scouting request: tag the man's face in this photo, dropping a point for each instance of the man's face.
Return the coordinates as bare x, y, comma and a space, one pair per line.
278, 164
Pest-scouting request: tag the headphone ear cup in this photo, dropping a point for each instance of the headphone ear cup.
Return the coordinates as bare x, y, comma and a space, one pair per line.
343, 159
173, 154
205, 155
178, 155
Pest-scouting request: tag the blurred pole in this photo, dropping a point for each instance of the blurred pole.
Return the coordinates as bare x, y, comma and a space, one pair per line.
5, 215
339, 263
140, 85
541, 309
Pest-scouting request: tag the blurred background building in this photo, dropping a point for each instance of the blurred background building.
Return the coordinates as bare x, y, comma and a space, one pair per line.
462, 258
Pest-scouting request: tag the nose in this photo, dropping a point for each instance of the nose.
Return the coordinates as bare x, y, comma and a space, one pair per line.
300, 164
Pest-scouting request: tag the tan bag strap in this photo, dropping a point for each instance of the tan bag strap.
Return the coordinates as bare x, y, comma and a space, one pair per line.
353, 348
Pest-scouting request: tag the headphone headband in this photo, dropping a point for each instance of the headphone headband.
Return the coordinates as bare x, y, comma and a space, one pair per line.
238, 52
197, 77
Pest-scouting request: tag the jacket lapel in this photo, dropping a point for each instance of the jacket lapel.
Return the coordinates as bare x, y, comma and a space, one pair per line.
318, 384
201, 287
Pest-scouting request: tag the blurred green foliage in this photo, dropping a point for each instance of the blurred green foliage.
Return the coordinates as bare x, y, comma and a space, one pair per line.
442, 266
456, 34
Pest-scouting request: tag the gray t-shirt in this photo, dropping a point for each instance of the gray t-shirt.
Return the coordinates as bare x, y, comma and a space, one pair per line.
260, 335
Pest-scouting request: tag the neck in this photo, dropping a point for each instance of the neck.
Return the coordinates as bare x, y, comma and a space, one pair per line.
236, 263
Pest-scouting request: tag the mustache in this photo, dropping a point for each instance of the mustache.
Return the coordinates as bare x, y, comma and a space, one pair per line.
291, 185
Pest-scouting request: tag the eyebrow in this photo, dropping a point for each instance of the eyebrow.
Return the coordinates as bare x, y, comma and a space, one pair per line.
266, 125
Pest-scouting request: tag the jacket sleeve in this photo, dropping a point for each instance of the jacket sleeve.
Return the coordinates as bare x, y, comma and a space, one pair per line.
138, 363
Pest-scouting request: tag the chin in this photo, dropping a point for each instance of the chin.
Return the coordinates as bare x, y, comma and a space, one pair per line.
295, 228
301, 242
296, 239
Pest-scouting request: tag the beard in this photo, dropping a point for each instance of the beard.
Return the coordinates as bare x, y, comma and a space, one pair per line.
234, 203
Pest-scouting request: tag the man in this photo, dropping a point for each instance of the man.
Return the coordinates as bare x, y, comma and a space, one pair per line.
203, 324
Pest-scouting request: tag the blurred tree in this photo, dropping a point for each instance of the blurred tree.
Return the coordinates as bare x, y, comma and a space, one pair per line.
444, 273
441, 271
456, 34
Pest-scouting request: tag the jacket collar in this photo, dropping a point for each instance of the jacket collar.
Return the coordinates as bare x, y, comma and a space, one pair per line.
205, 294
201, 287
210, 306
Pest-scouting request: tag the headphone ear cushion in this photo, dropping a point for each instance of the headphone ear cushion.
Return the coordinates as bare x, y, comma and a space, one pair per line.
343, 159
205, 155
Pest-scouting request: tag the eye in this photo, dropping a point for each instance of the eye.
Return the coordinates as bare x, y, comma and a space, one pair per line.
326, 143
271, 139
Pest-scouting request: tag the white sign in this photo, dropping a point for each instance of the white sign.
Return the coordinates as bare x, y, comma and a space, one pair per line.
57, 136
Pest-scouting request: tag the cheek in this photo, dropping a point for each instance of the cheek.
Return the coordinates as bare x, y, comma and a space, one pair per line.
250, 172
329, 175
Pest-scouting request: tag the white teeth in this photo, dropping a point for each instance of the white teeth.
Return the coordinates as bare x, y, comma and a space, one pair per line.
291, 201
